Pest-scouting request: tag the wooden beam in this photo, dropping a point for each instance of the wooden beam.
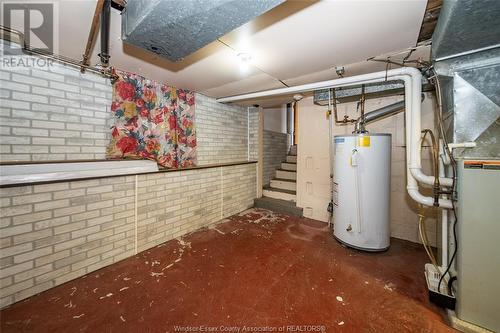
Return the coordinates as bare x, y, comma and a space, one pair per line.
92, 34
430, 19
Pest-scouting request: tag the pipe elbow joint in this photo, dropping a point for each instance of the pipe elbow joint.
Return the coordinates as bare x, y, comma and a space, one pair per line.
417, 173
412, 71
427, 201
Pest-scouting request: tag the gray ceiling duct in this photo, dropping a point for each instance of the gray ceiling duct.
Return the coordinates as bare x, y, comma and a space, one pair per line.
353, 93
372, 90
466, 53
175, 29
465, 26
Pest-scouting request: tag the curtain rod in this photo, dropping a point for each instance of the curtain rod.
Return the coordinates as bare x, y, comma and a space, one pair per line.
64, 60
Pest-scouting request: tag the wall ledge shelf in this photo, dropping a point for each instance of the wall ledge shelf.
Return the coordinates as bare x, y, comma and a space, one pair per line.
43, 172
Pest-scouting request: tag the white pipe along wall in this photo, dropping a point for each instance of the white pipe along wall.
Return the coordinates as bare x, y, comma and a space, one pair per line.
412, 79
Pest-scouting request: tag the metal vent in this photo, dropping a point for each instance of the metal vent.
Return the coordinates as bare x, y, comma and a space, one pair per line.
466, 52
464, 26
175, 29
471, 102
350, 94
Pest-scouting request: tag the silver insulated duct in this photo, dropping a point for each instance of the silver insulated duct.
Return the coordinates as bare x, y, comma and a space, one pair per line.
175, 29
466, 56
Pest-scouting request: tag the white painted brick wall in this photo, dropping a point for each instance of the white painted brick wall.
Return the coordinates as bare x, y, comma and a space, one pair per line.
50, 233
238, 189
253, 132
274, 152
66, 116
175, 203
57, 112
221, 130
53, 233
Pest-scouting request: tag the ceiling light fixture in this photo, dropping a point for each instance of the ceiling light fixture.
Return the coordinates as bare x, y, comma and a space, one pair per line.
245, 57
340, 70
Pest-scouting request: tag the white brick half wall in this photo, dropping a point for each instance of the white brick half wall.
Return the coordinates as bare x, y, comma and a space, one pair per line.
175, 203
53, 233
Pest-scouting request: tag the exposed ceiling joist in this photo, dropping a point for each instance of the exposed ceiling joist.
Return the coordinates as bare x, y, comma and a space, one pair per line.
430, 19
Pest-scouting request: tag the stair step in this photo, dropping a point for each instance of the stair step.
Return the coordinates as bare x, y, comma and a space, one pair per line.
293, 150
286, 174
285, 180
289, 166
277, 193
284, 184
291, 159
278, 206
280, 190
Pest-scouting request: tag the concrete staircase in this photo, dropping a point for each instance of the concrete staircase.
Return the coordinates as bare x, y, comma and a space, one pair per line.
281, 194
284, 185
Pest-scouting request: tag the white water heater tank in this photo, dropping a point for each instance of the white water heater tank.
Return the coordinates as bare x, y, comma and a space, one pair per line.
361, 190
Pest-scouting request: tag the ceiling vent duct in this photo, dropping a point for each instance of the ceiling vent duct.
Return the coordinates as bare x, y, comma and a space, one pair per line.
353, 93
175, 29
466, 54
466, 26
372, 90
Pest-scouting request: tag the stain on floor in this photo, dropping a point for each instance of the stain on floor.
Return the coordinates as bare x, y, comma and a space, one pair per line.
257, 269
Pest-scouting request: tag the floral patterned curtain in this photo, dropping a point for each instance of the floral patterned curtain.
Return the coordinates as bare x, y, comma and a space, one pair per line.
152, 121
186, 133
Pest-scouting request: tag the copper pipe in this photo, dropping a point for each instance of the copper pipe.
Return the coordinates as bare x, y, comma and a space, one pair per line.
346, 119
92, 34
435, 160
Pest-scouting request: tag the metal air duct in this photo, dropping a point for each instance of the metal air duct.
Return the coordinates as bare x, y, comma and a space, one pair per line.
466, 53
175, 29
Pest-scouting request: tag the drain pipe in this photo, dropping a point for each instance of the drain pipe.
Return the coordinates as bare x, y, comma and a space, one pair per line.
415, 117
105, 19
413, 90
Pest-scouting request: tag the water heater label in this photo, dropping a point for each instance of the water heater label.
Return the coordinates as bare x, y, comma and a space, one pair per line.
339, 140
364, 141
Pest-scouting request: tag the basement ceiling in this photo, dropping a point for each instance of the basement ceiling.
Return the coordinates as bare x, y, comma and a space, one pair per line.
294, 43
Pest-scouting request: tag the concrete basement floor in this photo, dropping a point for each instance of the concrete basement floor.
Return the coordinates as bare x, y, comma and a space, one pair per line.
257, 268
